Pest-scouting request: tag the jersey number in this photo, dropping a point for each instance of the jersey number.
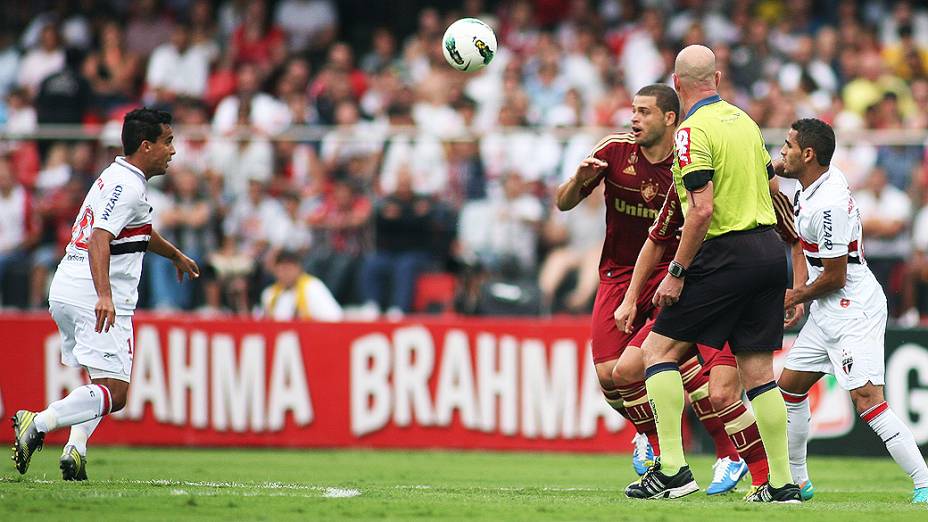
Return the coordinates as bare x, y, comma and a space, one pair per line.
80, 232
683, 146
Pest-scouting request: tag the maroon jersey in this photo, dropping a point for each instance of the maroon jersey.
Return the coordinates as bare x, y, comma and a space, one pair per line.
634, 190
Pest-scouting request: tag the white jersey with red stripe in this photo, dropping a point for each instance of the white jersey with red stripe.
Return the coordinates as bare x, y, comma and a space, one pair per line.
829, 225
117, 202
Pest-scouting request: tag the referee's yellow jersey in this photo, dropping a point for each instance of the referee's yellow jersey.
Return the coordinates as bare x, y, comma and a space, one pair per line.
716, 136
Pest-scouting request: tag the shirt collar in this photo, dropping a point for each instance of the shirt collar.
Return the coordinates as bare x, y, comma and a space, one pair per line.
702, 103
807, 193
121, 160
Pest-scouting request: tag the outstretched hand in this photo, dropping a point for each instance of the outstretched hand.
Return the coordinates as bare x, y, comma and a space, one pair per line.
185, 265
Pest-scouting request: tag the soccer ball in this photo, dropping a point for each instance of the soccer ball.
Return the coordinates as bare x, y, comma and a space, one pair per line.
469, 45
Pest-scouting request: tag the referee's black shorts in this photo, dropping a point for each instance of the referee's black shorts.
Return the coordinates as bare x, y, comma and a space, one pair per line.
733, 292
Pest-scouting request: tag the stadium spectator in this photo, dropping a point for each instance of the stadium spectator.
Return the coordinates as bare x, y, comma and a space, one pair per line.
18, 228
177, 68
257, 41
65, 96
290, 230
185, 220
20, 115
310, 24
500, 234
148, 27
383, 52
342, 225
56, 211
243, 154
352, 139
42, 61
576, 238
887, 213
268, 115
203, 29
403, 222
296, 295
111, 68
9, 61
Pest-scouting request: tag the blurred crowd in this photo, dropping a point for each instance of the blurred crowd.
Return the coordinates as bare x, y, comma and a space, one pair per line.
307, 154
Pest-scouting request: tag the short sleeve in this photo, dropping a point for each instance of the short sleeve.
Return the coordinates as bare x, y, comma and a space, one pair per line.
694, 151
786, 225
116, 207
832, 231
669, 219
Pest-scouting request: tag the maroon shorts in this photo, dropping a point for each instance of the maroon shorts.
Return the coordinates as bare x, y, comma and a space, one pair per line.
708, 356
607, 340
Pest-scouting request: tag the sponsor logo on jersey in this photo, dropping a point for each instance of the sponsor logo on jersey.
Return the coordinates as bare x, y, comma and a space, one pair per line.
826, 227
111, 204
630, 170
683, 147
638, 210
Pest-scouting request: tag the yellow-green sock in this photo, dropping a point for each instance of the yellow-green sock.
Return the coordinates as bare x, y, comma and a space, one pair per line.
665, 393
770, 412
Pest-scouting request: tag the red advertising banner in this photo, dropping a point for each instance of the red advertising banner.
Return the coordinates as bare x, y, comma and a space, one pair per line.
455, 383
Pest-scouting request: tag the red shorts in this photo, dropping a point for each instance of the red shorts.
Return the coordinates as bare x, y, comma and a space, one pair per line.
607, 340
708, 356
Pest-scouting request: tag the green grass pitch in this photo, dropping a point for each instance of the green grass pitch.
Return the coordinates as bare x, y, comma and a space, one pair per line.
226, 484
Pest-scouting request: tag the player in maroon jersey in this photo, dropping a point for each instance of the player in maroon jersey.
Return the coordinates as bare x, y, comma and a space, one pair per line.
636, 170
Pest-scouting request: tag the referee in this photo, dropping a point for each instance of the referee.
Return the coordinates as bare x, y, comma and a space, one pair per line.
726, 283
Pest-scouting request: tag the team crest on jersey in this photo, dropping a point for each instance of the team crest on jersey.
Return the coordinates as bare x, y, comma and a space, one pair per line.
845, 303
847, 361
682, 141
649, 190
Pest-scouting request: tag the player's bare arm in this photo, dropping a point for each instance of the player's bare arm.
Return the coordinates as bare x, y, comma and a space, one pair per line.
568, 194
832, 279
694, 233
651, 254
182, 263
800, 276
98, 250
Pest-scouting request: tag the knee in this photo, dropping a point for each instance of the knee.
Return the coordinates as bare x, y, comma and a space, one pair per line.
627, 373
604, 373
722, 394
866, 397
118, 396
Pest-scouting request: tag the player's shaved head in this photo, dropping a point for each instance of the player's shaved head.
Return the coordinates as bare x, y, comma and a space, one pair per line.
695, 66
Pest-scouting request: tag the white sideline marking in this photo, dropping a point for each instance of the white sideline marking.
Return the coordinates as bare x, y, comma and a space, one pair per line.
340, 493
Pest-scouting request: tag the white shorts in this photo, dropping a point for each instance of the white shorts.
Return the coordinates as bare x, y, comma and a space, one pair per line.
850, 349
105, 355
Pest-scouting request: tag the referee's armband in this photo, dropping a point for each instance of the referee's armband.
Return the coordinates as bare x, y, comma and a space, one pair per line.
697, 179
770, 172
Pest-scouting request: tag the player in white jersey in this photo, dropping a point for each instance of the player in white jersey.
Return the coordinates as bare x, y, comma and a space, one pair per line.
95, 289
847, 318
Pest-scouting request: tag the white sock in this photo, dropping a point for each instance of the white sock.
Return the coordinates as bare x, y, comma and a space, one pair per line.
81, 432
798, 420
81, 405
899, 441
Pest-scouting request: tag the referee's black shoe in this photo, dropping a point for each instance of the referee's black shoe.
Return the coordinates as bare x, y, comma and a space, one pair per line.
655, 484
786, 494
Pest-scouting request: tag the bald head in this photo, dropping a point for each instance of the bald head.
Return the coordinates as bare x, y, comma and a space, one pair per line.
695, 67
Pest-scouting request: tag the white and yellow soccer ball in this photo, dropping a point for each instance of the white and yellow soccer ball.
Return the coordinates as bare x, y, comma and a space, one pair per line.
469, 45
